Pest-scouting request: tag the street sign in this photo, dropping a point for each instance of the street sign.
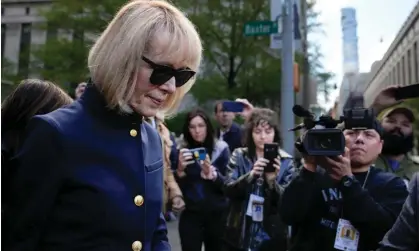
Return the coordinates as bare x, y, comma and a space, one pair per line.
276, 14
260, 28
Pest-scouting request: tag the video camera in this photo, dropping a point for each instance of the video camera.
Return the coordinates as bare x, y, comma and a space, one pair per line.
322, 138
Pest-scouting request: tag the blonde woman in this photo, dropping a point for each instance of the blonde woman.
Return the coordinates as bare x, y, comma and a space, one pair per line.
90, 174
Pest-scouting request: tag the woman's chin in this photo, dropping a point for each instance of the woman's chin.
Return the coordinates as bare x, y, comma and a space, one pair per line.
145, 110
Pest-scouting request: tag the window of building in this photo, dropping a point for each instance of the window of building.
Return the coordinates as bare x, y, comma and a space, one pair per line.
28, 10
25, 50
2, 11
394, 75
388, 79
51, 36
3, 38
409, 67
415, 61
403, 71
399, 73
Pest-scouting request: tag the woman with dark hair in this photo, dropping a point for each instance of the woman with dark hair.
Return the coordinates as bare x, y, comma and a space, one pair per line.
201, 183
31, 97
248, 187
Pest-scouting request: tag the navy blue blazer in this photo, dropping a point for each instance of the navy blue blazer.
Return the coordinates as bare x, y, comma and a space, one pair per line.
205, 195
233, 137
88, 178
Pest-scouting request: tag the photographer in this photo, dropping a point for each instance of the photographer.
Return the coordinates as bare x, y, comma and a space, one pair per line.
201, 182
343, 202
249, 179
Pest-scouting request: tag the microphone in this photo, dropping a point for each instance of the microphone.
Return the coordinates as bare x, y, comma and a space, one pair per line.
298, 127
308, 124
299, 111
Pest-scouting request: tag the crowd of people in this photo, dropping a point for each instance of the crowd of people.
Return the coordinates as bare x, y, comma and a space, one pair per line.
104, 172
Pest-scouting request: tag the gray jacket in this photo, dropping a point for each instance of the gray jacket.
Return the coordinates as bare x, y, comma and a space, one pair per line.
404, 235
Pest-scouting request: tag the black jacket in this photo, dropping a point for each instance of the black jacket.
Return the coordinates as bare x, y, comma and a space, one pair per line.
313, 204
404, 234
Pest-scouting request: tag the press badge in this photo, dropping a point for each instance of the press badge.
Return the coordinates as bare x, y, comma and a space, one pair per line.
257, 211
347, 237
253, 198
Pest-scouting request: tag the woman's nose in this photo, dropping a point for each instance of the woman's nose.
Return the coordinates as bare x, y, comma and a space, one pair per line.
170, 86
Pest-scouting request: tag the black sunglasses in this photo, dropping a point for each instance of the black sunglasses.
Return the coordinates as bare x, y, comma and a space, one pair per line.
163, 73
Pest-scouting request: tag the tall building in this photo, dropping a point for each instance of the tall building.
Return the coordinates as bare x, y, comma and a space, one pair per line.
350, 41
351, 91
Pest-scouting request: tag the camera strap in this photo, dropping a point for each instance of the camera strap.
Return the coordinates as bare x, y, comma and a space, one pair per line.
347, 236
363, 187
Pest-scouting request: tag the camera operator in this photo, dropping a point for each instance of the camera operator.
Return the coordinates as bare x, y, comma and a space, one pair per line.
343, 202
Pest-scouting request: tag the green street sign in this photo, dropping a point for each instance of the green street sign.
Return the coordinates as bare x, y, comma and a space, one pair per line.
260, 28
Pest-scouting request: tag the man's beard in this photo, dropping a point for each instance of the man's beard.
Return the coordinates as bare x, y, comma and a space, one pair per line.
396, 143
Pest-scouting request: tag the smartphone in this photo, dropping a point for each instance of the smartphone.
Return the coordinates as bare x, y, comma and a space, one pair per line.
407, 92
199, 153
233, 106
270, 152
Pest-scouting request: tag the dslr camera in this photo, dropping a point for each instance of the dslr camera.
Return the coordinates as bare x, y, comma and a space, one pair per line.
322, 138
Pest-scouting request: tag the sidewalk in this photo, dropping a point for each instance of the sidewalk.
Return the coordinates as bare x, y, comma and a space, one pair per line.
173, 235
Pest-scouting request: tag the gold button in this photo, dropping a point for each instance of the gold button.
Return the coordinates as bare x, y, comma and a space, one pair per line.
137, 246
139, 200
133, 132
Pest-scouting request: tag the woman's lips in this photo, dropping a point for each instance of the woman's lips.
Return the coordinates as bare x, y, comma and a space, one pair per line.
156, 100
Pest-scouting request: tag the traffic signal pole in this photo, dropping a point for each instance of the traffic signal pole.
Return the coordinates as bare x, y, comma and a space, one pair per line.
287, 83
306, 66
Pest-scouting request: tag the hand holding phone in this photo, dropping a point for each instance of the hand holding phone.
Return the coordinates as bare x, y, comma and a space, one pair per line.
198, 153
233, 106
259, 167
185, 159
270, 153
406, 92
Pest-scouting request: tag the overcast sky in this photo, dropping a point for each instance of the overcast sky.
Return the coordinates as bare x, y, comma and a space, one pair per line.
378, 24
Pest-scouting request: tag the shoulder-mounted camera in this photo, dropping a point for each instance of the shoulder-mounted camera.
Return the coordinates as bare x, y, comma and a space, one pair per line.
323, 136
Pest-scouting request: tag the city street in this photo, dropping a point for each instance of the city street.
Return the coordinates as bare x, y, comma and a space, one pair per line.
173, 235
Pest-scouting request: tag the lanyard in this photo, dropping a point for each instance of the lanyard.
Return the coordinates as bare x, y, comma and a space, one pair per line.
363, 187
366, 178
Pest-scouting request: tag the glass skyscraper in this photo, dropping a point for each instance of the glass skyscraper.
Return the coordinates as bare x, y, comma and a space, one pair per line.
350, 41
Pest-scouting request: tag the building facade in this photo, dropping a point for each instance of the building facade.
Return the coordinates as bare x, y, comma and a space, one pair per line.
350, 41
400, 64
21, 33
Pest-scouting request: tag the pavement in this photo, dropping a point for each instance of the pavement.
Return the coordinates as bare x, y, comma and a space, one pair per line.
173, 235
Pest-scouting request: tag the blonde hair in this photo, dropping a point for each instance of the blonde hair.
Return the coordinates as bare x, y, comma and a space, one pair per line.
116, 56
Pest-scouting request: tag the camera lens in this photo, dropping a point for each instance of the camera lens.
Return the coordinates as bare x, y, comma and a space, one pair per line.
325, 143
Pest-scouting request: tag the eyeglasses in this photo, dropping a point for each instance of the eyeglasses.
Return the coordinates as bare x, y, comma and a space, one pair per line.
163, 73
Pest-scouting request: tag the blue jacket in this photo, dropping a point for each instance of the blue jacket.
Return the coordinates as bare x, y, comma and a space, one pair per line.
88, 179
205, 195
233, 137
238, 187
